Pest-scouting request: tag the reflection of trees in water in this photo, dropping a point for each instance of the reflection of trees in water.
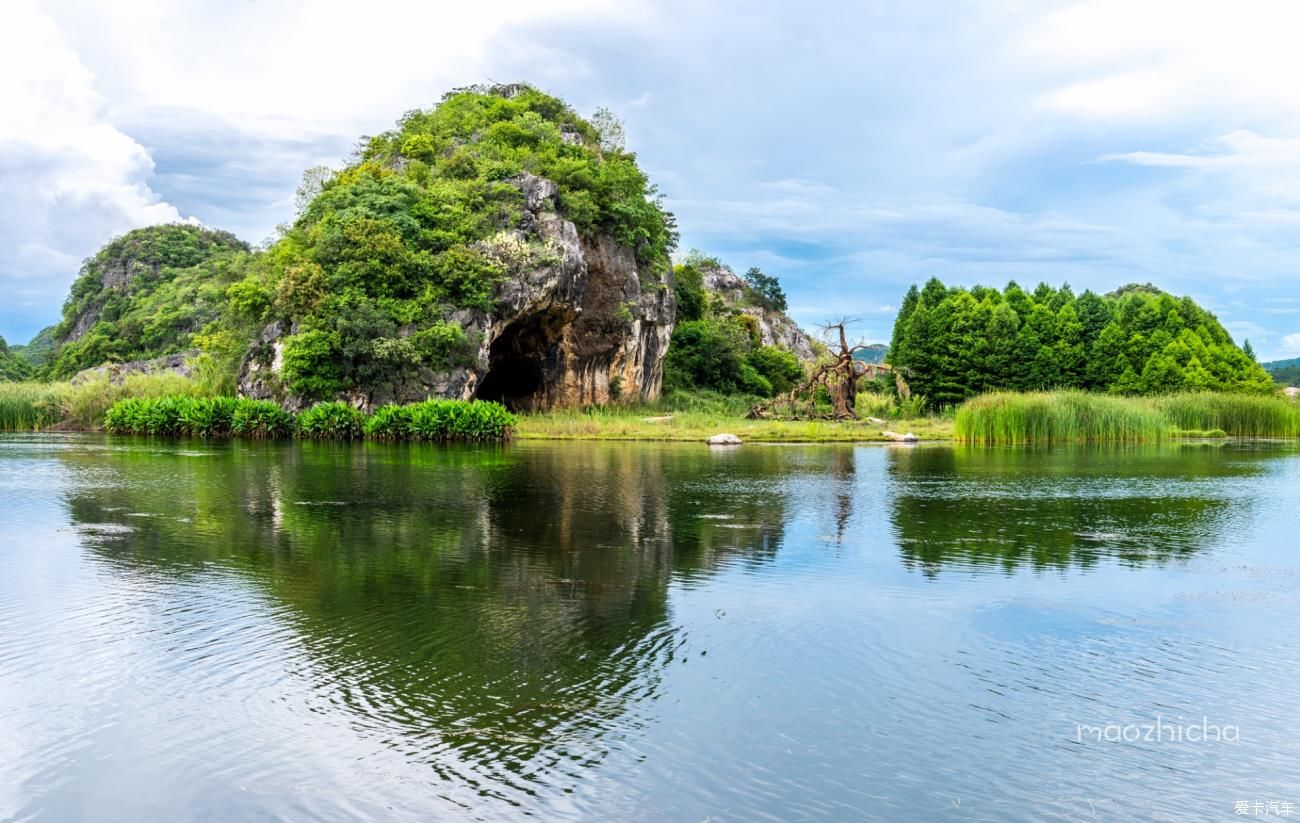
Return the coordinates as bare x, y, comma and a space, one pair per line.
500, 603
1059, 508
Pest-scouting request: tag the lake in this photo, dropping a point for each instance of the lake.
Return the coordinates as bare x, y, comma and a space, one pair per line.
249, 631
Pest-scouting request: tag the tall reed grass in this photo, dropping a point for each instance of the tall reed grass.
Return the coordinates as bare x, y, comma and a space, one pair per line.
1078, 417
30, 406
1058, 417
1240, 415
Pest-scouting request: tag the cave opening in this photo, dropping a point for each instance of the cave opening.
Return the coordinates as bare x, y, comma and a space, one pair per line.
517, 360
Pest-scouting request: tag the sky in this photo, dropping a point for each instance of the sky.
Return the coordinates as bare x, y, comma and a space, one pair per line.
850, 148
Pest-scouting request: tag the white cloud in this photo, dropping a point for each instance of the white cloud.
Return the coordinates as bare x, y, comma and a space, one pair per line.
1160, 58
70, 179
1291, 343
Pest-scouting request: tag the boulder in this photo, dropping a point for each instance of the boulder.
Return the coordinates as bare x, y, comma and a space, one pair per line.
724, 440
901, 438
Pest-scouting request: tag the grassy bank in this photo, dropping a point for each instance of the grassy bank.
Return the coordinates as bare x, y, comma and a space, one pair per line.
1077, 417
696, 426
168, 404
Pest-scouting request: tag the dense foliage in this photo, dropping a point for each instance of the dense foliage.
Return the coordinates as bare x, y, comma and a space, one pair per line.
954, 343
181, 415
716, 345
332, 420
146, 294
441, 420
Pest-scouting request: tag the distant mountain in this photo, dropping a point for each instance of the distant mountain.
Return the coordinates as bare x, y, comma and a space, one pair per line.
39, 350
1285, 372
875, 353
11, 367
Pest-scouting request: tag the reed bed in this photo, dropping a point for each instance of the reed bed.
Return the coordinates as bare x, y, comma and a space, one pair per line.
1240, 415
1005, 418
31, 406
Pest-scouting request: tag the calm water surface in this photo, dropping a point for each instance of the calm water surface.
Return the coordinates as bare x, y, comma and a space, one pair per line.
216, 631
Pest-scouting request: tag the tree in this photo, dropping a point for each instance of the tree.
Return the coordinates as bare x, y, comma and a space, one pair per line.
609, 130
313, 182
955, 342
1249, 350
768, 289
905, 310
838, 377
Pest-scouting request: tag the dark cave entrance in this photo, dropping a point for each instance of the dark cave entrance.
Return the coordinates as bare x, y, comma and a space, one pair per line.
518, 360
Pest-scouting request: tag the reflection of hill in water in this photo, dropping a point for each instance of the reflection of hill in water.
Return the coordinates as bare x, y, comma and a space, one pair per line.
1062, 508
491, 604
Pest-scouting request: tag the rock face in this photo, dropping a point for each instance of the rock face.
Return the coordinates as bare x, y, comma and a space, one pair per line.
178, 364
775, 328
586, 325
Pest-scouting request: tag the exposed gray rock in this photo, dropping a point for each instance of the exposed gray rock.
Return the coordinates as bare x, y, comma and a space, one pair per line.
774, 327
178, 363
901, 438
724, 440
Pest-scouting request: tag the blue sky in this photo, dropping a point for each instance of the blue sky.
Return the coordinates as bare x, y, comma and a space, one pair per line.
851, 148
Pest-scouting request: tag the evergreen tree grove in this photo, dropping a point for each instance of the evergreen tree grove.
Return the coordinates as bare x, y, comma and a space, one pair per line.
954, 342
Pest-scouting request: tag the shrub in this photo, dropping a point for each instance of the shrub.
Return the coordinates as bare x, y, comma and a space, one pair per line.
261, 419
390, 422
198, 416
207, 416
331, 420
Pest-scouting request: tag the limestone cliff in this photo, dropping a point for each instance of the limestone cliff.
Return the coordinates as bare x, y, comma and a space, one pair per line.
776, 328
578, 327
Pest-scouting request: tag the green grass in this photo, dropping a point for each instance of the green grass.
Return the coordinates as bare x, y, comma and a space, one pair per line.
653, 423
1002, 418
30, 406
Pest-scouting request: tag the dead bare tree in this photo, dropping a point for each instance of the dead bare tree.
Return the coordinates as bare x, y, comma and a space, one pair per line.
839, 376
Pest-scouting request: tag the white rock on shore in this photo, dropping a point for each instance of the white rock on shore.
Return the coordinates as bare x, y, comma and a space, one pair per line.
724, 440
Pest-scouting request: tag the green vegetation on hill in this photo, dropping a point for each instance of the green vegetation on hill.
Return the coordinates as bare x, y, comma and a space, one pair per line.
12, 367
38, 351
716, 346
954, 343
370, 277
145, 294
425, 223
1285, 372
